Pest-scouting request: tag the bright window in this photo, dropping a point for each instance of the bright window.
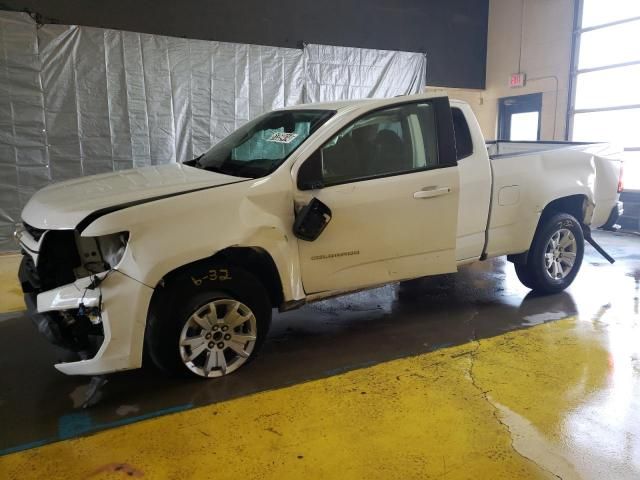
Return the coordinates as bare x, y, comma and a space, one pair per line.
598, 12
606, 79
595, 45
524, 126
616, 126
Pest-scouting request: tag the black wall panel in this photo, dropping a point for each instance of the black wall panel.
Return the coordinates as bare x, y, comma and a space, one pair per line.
453, 33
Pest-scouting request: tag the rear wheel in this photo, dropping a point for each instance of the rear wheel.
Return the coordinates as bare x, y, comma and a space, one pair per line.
208, 323
524, 275
555, 256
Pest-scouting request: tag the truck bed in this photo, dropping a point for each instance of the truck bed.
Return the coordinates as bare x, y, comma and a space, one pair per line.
504, 148
525, 175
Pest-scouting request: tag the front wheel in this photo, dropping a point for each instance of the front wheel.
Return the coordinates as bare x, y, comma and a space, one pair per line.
208, 323
555, 256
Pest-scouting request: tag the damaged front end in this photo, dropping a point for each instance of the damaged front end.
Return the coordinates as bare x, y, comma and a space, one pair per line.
61, 275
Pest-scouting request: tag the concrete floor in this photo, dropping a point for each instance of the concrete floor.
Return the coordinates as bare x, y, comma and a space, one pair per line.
440, 377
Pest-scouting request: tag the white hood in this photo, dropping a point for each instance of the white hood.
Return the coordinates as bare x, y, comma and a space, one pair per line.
63, 205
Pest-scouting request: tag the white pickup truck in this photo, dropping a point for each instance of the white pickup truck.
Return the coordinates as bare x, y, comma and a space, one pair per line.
186, 261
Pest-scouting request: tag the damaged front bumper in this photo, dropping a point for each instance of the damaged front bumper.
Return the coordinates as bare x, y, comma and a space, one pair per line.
72, 315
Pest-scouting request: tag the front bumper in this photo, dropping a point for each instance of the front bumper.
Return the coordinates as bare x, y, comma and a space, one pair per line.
122, 302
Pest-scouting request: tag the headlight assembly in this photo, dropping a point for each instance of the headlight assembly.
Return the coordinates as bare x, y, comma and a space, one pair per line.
99, 254
112, 248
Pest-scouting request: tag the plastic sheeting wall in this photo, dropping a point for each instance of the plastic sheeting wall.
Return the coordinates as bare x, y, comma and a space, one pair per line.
341, 73
78, 101
23, 153
120, 99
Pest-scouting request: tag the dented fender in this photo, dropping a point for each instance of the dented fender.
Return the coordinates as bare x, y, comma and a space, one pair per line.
169, 233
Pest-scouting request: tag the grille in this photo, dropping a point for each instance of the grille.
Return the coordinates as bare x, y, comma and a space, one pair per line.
36, 233
57, 258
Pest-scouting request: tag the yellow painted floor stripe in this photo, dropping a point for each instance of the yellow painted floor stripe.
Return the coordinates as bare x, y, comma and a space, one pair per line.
10, 292
500, 408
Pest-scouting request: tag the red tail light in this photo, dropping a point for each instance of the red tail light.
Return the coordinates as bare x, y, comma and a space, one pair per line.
620, 179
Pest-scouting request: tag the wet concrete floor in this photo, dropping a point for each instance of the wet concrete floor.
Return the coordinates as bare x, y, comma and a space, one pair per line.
39, 405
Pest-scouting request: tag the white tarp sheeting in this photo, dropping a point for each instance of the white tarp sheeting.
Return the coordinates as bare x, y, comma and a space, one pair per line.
121, 99
23, 152
344, 73
78, 101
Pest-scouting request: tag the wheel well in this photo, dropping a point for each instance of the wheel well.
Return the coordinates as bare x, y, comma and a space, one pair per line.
255, 260
573, 205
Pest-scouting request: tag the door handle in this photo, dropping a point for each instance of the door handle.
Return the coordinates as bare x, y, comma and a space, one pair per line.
430, 192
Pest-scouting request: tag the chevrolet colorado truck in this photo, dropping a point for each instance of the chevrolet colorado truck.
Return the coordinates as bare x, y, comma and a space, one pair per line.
185, 262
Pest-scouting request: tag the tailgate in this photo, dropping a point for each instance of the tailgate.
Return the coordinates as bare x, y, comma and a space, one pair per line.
608, 165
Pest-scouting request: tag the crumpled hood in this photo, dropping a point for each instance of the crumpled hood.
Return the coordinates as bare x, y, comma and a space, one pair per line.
63, 205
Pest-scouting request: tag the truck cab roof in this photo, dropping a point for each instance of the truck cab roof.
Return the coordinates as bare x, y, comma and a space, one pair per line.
368, 103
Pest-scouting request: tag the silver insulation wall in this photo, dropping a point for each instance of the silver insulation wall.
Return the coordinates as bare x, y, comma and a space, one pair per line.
24, 160
343, 73
78, 101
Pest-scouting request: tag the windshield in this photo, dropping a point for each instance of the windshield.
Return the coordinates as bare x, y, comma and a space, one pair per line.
260, 146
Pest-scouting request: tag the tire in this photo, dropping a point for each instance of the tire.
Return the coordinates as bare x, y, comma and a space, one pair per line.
524, 275
207, 322
555, 256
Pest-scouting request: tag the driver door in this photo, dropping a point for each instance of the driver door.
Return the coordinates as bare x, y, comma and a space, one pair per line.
390, 180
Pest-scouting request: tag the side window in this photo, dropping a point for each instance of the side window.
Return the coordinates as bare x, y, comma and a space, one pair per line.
464, 145
386, 142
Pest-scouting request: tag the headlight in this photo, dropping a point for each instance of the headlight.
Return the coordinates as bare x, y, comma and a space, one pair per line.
17, 234
112, 247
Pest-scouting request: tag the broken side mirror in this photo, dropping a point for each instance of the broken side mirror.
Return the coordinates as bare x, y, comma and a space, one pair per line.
311, 220
310, 172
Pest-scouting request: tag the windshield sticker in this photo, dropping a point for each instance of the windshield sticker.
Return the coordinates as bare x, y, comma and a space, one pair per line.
282, 137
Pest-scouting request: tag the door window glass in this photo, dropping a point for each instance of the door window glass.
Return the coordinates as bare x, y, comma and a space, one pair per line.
386, 142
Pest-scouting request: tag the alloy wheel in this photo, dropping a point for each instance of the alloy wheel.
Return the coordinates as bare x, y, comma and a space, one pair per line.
560, 254
218, 338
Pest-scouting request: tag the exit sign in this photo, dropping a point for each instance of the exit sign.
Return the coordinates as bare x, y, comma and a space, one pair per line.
516, 80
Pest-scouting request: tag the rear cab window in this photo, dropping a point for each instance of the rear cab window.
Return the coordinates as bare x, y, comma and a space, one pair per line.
464, 144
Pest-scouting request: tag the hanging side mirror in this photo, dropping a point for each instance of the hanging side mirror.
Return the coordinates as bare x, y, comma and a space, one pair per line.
310, 172
311, 220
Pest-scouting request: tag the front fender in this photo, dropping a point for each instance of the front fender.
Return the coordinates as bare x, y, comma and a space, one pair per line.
170, 233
